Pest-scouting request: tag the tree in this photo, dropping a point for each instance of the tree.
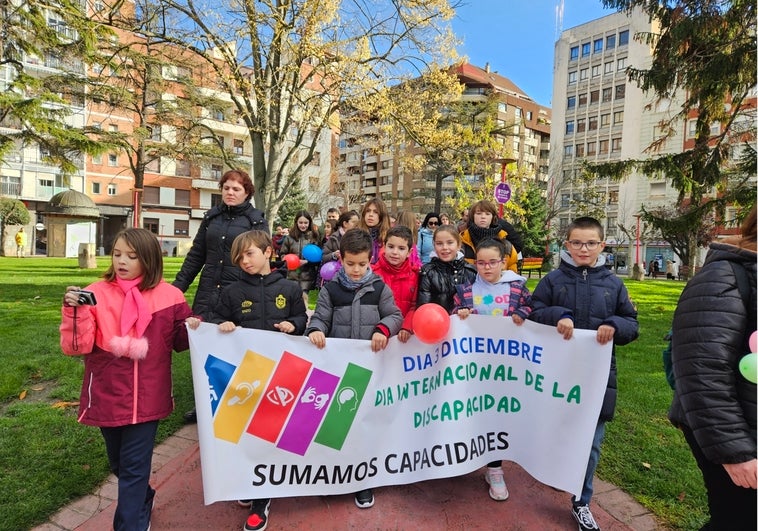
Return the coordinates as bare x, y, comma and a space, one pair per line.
35, 107
705, 53
12, 212
684, 227
293, 203
532, 225
288, 65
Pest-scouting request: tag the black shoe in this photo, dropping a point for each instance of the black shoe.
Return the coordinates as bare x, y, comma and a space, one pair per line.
583, 517
190, 417
258, 518
245, 503
364, 499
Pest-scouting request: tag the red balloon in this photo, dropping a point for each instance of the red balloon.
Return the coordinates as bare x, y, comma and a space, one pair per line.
292, 260
431, 323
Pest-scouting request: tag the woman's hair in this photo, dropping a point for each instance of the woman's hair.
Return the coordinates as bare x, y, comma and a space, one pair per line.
484, 206
148, 251
295, 230
243, 178
747, 237
406, 218
384, 217
448, 228
244, 241
332, 225
345, 217
429, 216
356, 241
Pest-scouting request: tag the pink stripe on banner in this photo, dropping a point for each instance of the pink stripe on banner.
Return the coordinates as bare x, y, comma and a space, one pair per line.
311, 407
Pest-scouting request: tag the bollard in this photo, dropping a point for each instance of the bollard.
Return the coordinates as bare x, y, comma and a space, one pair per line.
87, 256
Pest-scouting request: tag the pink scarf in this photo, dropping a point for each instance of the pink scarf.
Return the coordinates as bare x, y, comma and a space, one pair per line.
135, 317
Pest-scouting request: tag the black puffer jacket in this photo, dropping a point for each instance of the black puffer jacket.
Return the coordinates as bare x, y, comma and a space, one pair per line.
257, 301
711, 327
211, 252
438, 279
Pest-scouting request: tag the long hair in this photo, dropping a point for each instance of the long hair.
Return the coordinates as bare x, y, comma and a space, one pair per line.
148, 251
384, 217
295, 231
406, 218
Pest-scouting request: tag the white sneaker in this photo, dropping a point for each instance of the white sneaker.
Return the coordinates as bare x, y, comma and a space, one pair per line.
496, 480
583, 517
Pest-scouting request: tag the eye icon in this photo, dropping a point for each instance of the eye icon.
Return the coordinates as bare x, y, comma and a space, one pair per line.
280, 396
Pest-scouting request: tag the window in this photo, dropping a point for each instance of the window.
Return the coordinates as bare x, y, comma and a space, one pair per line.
658, 188
605, 120
715, 128
594, 96
596, 71
607, 94
583, 74
597, 46
618, 117
113, 128
569, 127
112, 159
155, 132
574, 53
579, 150
585, 49
502, 107
96, 188
316, 159
239, 146
620, 92
111, 189
613, 197
608, 68
603, 147
215, 200
182, 168
182, 197
593, 123
571, 102
218, 115
216, 171
181, 227
591, 148
528, 116
150, 224
581, 124
623, 38
610, 42
565, 200
582, 99
621, 64
572, 77
691, 128
154, 166
151, 195
568, 151
97, 159
615, 145
517, 112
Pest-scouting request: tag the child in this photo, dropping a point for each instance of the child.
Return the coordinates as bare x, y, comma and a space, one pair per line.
375, 219
584, 294
445, 270
374, 317
301, 234
400, 274
331, 249
127, 337
263, 300
483, 222
494, 292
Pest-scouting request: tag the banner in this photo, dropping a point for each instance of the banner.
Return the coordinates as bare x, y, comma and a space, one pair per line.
278, 417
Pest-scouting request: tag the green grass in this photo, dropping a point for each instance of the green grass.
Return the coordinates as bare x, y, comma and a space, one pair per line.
47, 459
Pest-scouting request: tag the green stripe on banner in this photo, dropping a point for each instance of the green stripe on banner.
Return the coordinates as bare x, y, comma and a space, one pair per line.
344, 406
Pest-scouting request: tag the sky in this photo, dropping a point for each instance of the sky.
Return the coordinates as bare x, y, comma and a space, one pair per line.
517, 38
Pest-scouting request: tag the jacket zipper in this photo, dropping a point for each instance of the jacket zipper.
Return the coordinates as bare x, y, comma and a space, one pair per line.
136, 391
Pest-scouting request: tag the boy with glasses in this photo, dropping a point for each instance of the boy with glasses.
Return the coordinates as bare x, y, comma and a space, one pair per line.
582, 293
494, 292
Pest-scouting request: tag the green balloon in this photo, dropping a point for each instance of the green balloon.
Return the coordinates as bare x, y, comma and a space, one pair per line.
749, 367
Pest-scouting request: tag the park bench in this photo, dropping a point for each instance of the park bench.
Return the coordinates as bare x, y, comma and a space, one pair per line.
684, 272
531, 264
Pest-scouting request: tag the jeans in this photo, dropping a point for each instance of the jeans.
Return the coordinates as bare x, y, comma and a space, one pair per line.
597, 440
130, 454
732, 508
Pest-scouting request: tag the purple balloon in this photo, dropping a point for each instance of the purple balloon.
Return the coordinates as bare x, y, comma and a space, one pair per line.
329, 269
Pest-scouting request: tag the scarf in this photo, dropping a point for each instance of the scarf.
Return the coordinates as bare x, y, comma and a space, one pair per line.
353, 284
135, 317
478, 233
377, 244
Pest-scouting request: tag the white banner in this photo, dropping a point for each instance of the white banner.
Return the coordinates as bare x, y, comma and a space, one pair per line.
278, 417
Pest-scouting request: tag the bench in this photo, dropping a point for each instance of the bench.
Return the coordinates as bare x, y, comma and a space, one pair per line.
684, 273
531, 264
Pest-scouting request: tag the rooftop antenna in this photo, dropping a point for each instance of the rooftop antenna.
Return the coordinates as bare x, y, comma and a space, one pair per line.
558, 19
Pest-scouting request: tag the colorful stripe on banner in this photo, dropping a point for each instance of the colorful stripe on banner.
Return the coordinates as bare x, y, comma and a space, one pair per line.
279, 397
219, 372
241, 396
344, 407
307, 414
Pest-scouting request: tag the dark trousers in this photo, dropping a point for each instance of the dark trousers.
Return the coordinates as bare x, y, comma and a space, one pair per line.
732, 508
130, 454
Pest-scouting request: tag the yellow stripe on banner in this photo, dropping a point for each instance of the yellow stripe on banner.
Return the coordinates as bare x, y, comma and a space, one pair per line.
241, 396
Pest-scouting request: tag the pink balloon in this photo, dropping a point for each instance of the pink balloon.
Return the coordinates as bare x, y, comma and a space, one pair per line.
753, 341
329, 269
431, 323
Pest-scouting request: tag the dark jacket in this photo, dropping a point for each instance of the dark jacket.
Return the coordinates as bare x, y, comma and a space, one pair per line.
211, 252
711, 328
260, 301
438, 281
307, 272
356, 314
591, 296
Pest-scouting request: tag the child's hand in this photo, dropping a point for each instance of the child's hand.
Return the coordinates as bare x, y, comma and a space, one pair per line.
463, 313
70, 298
317, 338
193, 322
566, 328
605, 333
227, 326
517, 319
378, 342
285, 326
404, 335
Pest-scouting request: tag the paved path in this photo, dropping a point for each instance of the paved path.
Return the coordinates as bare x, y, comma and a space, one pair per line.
447, 504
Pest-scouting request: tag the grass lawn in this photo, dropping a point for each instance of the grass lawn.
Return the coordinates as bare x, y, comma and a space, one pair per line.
47, 459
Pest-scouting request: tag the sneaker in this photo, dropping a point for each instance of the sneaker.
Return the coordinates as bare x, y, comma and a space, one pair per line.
190, 417
258, 518
496, 480
583, 517
245, 503
364, 499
